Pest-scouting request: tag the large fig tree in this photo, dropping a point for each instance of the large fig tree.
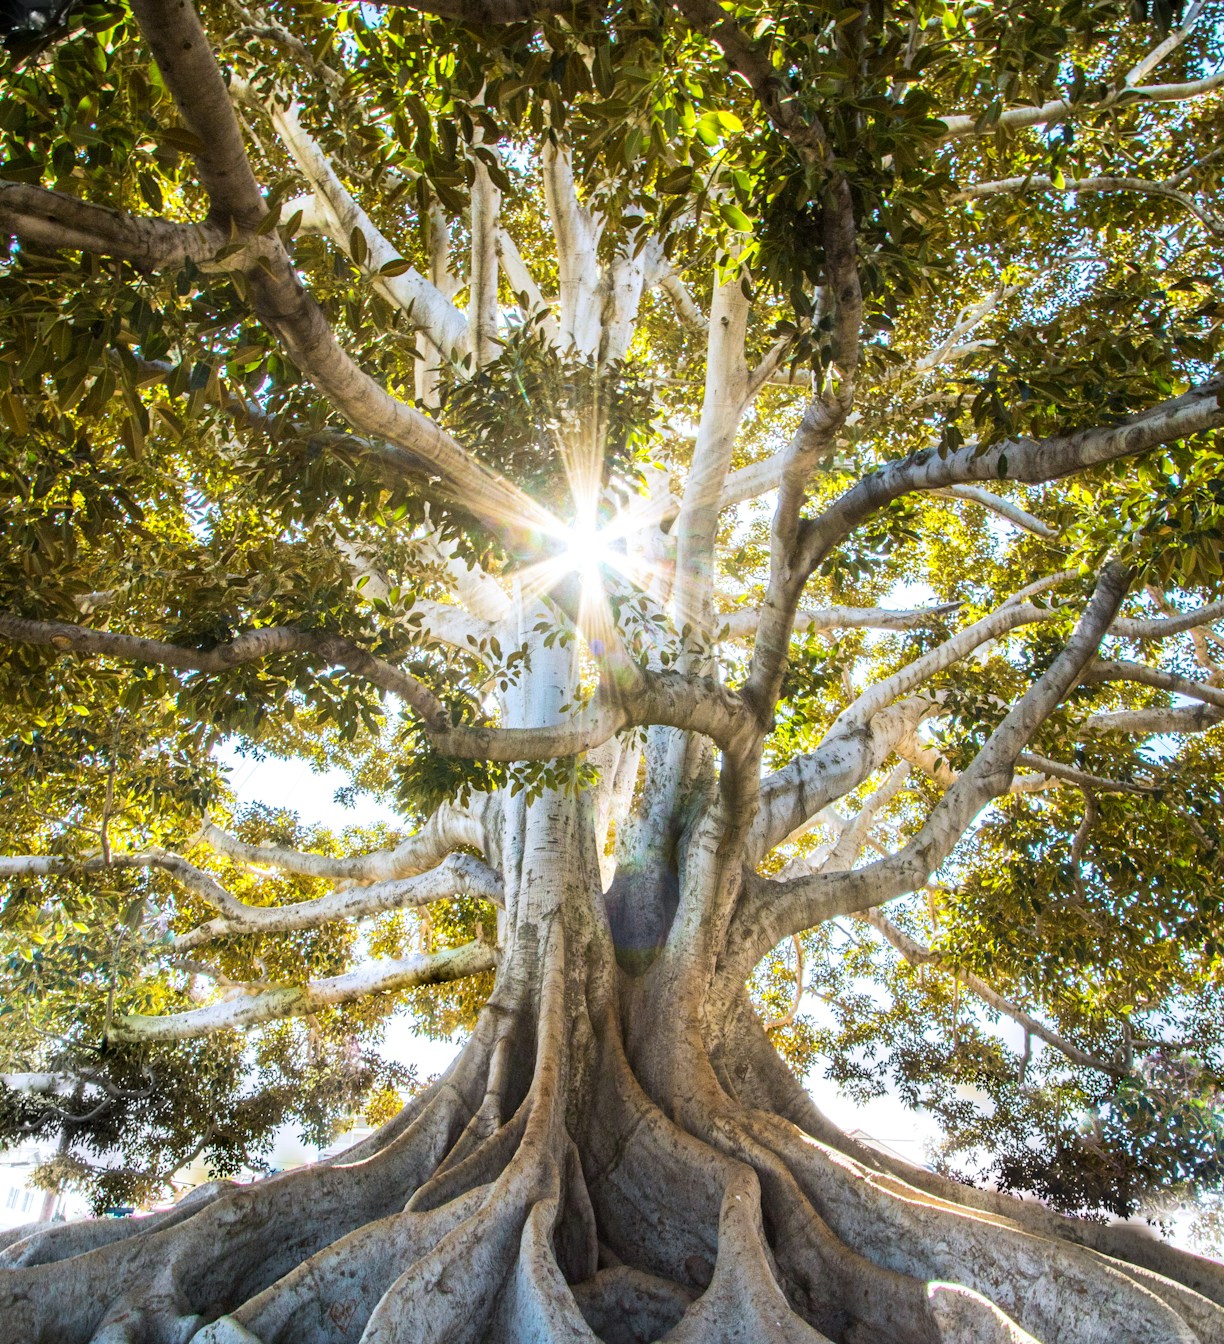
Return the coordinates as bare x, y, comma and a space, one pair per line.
743, 481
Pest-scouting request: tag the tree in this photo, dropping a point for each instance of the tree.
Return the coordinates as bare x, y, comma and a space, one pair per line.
744, 482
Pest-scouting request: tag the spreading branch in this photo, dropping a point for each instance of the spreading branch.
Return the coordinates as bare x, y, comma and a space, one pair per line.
773, 911
459, 874
252, 647
449, 828
271, 1005
741, 624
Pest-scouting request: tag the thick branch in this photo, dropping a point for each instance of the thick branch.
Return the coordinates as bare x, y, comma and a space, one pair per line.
844, 759
776, 910
431, 310
447, 830
696, 704
742, 623
1031, 460
1110, 670
1129, 627
55, 220
377, 977
458, 874
1153, 722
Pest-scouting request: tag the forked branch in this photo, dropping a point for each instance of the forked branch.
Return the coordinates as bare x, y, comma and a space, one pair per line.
459, 874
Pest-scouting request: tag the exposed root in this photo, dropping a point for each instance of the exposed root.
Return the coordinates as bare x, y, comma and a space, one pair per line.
538, 1193
623, 1305
1184, 1280
1055, 1290
744, 1301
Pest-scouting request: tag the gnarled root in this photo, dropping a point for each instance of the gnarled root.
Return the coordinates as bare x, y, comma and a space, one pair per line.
538, 1193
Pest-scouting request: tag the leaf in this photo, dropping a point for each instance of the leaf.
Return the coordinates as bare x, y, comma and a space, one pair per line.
734, 217
181, 139
677, 182
358, 248
396, 266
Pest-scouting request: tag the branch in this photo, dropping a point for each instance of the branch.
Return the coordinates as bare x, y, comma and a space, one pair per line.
457, 874
1163, 49
431, 310
249, 648
524, 285
683, 302
1127, 627
577, 232
865, 733
740, 624
185, 58
805, 786
376, 977
1153, 722
672, 699
1059, 109
1081, 778
773, 911
447, 830
1119, 670
918, 955
483, 312
822, 421
264, 270
723, 402
1030, 460
1014, 186
196, 880
789, 1016
997, 504
963, 643
56, 220
752, 60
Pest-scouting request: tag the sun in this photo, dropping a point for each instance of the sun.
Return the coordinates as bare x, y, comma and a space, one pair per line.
586, 551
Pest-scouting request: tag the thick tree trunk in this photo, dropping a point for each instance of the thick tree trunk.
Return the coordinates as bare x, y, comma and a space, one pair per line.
599, 1164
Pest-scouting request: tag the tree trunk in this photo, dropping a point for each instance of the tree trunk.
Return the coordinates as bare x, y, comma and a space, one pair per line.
599, 1163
